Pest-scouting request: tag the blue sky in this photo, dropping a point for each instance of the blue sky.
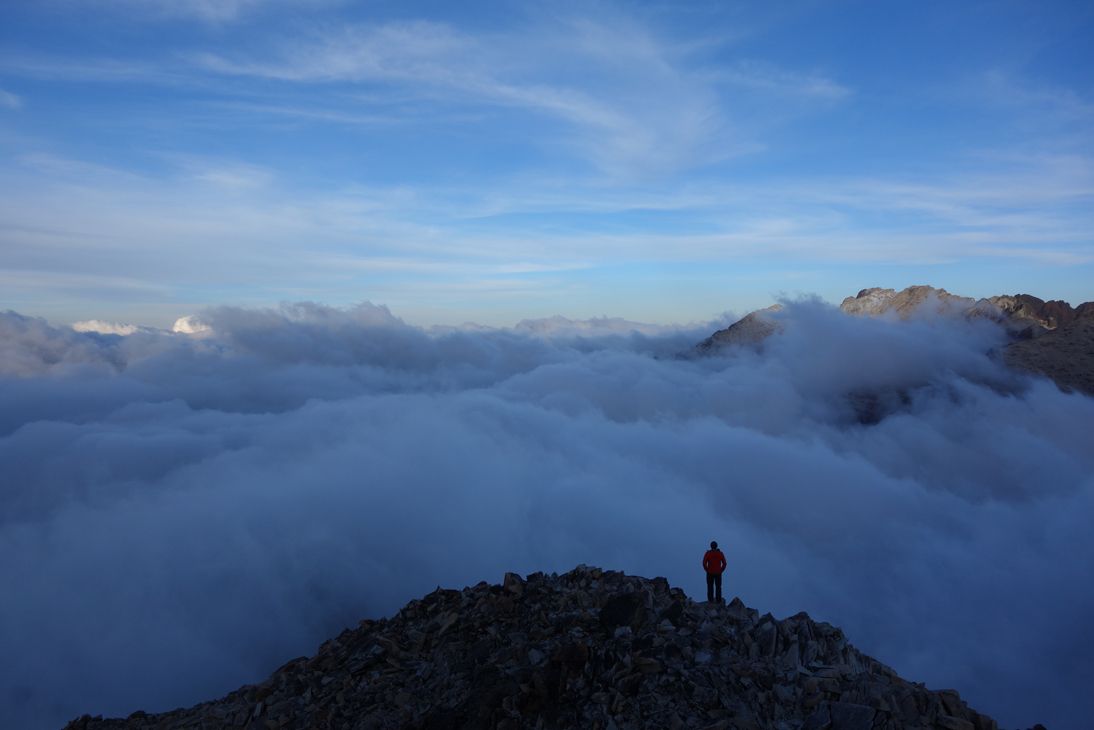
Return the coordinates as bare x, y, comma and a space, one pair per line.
490, 162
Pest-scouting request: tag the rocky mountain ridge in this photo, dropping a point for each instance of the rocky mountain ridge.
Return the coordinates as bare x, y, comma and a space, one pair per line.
1024, 315
1049, 338
587, 649
752, 329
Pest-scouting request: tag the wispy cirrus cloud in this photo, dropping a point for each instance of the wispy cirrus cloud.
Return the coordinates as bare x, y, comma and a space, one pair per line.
219, 173
239, 227
99, 69
205, 11
1063, 105
608, 108
603, 91
9, 100
556, 145
766, 77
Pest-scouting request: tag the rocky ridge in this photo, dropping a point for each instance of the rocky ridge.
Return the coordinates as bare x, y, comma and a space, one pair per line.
587, 649
752, 329
876, 301
1023, 315
1066, 355
1049, 338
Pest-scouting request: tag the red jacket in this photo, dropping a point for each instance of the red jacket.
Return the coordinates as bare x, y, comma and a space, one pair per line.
714, 562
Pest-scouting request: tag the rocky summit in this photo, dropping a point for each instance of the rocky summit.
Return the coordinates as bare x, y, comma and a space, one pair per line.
752, 329
587, 649
1049, 338
1024, 316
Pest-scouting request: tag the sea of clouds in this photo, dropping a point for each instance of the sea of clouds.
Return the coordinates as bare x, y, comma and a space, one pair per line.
181, 513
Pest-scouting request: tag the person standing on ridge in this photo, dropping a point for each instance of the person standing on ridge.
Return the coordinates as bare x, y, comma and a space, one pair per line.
714, 563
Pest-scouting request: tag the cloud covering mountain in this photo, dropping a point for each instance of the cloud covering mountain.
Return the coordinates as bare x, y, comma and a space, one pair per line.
181, 514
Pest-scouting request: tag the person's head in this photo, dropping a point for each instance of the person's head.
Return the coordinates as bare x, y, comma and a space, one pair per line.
713, 544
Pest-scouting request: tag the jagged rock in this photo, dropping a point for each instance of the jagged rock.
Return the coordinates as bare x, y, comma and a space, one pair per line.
513, 583
749, 331
622, 610
1048, 315
875, 302
848, 716
1066, 355
1047, 338
1023, 315
587, 649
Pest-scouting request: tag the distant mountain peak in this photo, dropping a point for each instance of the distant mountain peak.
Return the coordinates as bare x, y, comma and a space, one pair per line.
1018, 312
877, 301
1049, 338
750, 330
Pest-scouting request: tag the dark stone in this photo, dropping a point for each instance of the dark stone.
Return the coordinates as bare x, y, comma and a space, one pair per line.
620, 610
631, 685
443, 718
491, 699
480, 650
737, 611
573, 656
819, 720
847, 716
673, 613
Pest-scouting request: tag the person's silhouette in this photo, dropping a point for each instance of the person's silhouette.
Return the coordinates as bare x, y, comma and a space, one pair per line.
714, 563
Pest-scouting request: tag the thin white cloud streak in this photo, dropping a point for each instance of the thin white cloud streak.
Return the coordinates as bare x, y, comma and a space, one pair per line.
448, 267
221, 174
10, 101
262, 112
1026, 204
209, 11
1014, 192
144, 240
1053, 105
764, 77
31, 280
312, 466
104, 70
213, 12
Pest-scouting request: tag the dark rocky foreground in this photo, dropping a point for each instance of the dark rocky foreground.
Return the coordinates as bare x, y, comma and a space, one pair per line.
587, 649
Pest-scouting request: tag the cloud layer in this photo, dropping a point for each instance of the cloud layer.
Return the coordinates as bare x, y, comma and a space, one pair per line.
181, 514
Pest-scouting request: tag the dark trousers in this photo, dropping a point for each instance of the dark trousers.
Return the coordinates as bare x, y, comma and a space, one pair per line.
714, 587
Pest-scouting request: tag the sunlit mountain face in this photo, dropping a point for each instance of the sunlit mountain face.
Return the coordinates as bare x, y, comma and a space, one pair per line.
182, 512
